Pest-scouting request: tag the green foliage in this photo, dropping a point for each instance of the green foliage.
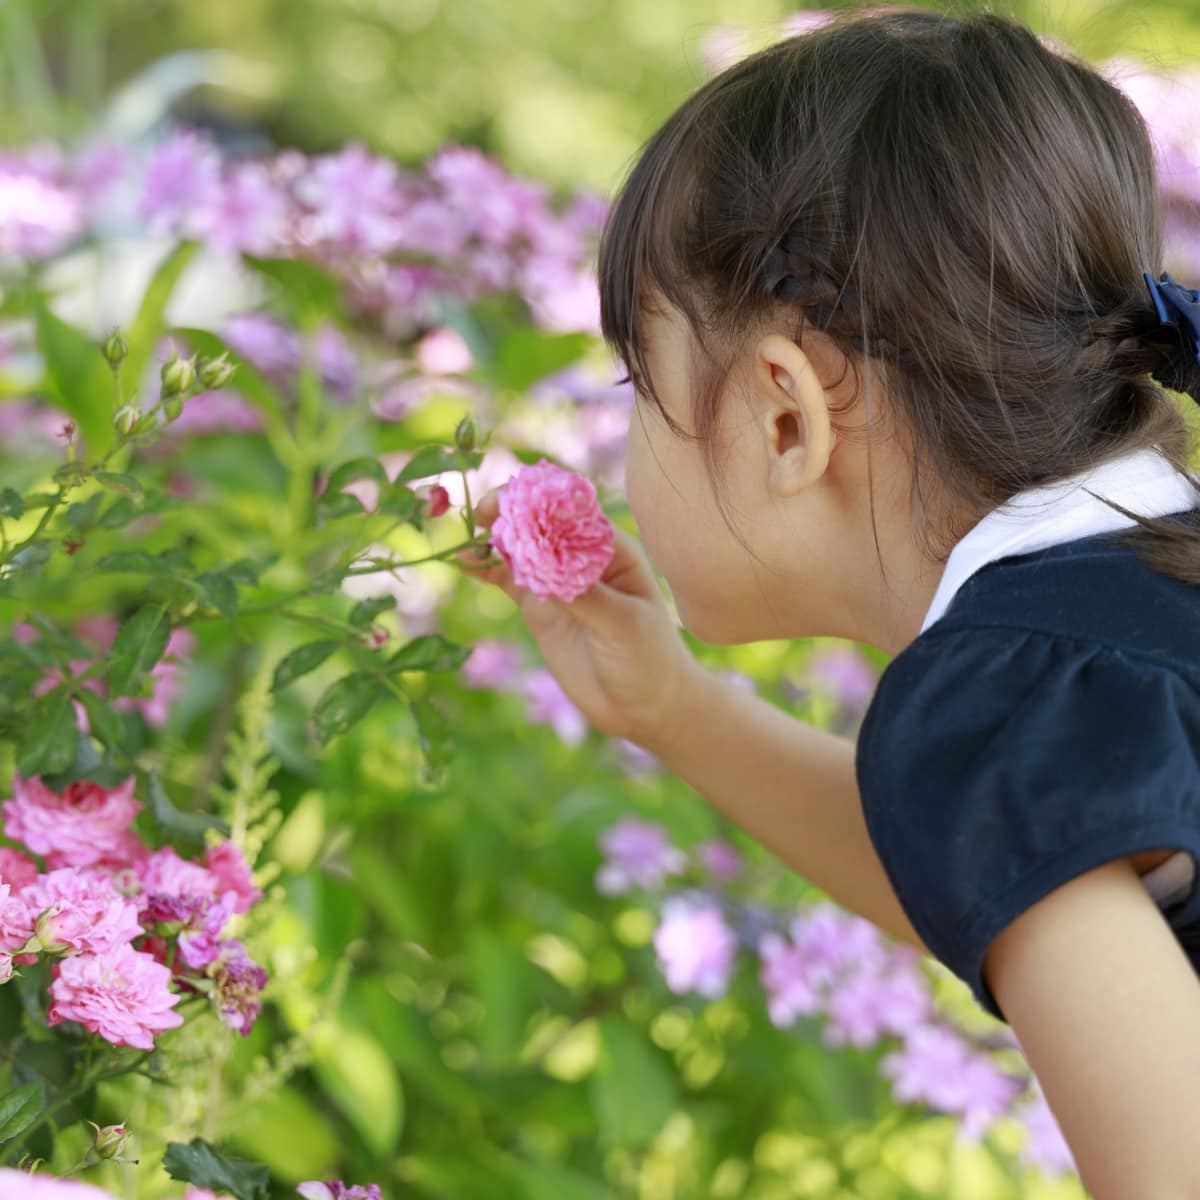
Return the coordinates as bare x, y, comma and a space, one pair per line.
199, 1164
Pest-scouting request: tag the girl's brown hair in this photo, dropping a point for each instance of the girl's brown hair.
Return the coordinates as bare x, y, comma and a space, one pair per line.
949, 201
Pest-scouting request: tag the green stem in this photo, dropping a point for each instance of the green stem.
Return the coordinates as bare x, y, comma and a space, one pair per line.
86, 1082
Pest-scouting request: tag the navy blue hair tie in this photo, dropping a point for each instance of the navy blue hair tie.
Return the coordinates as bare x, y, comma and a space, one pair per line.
1178, 306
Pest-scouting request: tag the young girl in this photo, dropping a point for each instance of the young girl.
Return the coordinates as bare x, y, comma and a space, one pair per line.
889, 295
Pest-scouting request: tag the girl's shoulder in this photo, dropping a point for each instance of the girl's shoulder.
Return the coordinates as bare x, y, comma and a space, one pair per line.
1089, 593
1048, 722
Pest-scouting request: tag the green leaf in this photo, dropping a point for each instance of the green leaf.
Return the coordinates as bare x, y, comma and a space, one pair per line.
189, 826
399, 501
19, 1108
52, 736
429, 652
125, 484
430, 460
503, 980
365, 611
136, 648
308, 287
11, 504
524, 356
333, 505
199, 1164
356, 1071
434, 732
345, 702
247, 570
144, 333
302, 660
138, 562
219, 591
632, 1088
105, 722
356, 468
84, 515
78, 377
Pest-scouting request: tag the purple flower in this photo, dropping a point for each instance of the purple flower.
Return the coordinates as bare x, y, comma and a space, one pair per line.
240, 982
932, 1067
696, 949
845, 674
548, 704
1045, 1147
38, 216
247, 212
181, 182
355, 197
719, 858
493, 665
638, 854
788, 979
335, 1189
270, 346
990, 1093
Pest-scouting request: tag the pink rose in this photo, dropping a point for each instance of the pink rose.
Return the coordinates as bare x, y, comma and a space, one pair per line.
22, 1185
16, 920
552, 532
165, 872
121, 994
78, 828
79, 912
16, 869
232, 872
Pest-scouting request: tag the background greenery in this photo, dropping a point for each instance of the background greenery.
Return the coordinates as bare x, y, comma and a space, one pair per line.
477, 1022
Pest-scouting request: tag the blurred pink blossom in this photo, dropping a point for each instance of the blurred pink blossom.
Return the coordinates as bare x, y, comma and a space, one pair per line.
77, 828
696, 949
493, 665
229, 867
547, 704
443, 351
637, 854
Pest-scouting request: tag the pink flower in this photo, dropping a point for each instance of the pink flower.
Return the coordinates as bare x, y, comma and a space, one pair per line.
719, 859
552, 531
494, 665
16, 920
443, 351
121, 994
16, 868
80, 912
78, 828
547, 704
229, 867
696, 948
166, 873
21, 1185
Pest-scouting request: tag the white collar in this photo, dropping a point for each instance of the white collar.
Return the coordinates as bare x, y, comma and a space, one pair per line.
1142, 481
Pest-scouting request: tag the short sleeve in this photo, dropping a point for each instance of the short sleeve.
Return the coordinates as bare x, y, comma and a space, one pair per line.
996, 764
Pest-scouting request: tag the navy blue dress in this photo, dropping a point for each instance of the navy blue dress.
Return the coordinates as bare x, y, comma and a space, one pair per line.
1047, 723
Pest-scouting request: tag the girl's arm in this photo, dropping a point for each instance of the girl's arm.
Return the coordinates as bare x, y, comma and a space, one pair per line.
1106, 1007
790, 786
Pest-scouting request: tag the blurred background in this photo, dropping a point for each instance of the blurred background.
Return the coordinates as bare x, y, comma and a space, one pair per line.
472, 995
562, 90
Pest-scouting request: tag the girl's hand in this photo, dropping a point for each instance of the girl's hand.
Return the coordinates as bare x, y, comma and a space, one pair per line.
616, 650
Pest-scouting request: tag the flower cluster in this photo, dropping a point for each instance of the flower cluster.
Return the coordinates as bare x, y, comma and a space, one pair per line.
820, 963
552, 532
120, 922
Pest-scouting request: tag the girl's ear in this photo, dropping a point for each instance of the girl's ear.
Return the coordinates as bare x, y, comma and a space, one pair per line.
793, 413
